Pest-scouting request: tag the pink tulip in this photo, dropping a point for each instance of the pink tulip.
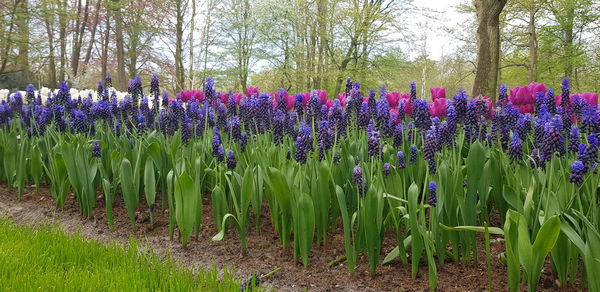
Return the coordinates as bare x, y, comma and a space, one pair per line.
521, 95
198, 95
322, 94
393, 98
365, 99
237, 97
437, 92
329, 103
537, 87
250, 90
185, 95
438, 107
342, 98
305, 99
405, 98
591, 98
225, 98
524, 109
289, 101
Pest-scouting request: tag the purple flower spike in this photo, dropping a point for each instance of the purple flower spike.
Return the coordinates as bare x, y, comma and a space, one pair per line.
386, 169
96, 150
358, 179
432, 193
231, 159
577, 172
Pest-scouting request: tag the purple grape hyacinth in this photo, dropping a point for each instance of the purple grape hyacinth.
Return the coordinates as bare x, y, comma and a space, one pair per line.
231, 163
358, 179
577, 172
386, 169
432, 193
96, 150
401, 163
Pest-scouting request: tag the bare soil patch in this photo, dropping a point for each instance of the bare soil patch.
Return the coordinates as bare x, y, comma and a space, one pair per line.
264, 254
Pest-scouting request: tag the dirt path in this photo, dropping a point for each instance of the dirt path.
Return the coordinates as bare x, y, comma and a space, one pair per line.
264, 252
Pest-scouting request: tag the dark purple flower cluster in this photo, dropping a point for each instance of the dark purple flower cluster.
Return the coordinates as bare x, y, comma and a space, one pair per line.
432, 194
364, 116
503, 95
565, 102
515, 151
96, 149
421, 115
573, 139
108, 80
386, 169
429, 150
278, 122
358, 179
231, 163
577, 172
401, 163
460, 104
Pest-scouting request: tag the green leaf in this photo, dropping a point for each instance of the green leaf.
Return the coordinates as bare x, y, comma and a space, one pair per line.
129, 195
186, 202
306, 226
341, 198
149, 183
491, 230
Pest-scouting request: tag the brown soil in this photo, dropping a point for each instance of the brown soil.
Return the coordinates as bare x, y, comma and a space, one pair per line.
264, 250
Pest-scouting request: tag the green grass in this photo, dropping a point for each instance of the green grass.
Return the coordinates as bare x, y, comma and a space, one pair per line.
47, 259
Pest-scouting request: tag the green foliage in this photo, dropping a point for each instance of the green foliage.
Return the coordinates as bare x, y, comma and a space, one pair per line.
51, 259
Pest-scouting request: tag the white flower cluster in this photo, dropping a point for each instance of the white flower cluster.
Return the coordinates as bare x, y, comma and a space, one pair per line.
75, 93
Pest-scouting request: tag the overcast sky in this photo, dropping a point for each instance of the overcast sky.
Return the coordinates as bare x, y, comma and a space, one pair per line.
443, 14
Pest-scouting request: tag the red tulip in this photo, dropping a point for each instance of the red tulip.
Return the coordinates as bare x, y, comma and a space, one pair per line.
438, 92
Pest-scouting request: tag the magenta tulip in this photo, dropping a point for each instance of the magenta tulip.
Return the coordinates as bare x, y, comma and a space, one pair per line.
437, 92
393, 98
438, 107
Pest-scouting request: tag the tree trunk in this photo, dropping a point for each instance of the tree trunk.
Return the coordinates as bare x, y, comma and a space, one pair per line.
122, 79
8, 42
532, 67
88, 52
488, 47
192, 26
62, 23
568, 45
322, 23
179, 75
22, 22
106, 41
78, 39
51, 60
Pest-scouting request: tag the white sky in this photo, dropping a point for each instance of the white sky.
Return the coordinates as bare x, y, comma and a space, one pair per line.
443, 13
